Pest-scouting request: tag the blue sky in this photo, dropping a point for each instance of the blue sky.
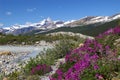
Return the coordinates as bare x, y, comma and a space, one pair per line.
22, 11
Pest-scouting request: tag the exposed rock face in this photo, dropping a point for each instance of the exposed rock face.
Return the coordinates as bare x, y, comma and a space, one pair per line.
71, 34
5, 53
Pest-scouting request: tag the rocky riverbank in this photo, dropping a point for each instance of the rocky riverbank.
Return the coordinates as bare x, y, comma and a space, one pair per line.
12, 56
10, 63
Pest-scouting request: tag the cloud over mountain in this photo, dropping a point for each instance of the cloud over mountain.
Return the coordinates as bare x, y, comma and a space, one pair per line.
8, 13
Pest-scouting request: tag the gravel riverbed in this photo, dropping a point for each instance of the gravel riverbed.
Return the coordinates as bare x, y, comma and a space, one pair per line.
19, 54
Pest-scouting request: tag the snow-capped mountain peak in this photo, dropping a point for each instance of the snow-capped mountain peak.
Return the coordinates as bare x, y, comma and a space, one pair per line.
67, 22
92, 20
49, 24
116, 16
44, 24
49, 19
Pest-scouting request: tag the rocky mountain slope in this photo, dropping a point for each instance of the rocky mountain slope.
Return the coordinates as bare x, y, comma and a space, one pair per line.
91, 29
48, 25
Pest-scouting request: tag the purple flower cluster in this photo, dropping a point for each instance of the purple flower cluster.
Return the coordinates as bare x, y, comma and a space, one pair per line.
78, 68
90, 57
99, 77
41, 69
84, 57
115, 30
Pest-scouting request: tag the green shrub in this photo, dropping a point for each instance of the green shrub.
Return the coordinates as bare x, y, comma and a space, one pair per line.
33, 77
1, 76
49, 56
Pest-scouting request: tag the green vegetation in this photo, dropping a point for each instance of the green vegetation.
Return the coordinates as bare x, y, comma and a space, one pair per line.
20, 76
91, 30
1, 76
48, 57
51, 55
30, 40
95, 60
109, 40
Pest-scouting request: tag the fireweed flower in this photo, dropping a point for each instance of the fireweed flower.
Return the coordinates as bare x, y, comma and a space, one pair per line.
96, 67
59, 72
41, 69
87, 57
115, 30
99, 77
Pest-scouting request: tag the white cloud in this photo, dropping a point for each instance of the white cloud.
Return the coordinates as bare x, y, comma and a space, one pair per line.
28, 23
1, 24
31, 10
16, 24
8, 13
41, 16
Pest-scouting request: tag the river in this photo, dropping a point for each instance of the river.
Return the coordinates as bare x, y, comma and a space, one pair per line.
31, 50
10, 63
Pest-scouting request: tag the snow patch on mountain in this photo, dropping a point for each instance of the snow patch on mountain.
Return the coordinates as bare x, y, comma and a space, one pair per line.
67, 22
43, 25
48, 24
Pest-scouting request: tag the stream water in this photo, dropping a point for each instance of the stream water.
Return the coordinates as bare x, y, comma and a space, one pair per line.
32, 50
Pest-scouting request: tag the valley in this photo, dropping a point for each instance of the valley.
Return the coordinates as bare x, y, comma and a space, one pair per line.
55, 49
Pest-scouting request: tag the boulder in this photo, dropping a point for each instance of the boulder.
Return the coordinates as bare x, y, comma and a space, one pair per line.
81, 44
5, 78
115, 78
5, 53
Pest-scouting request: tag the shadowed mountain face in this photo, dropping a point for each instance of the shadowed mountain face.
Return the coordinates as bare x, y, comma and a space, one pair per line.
91, 30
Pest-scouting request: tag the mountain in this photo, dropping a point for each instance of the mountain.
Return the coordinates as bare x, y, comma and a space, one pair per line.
93, 19
92, 25
90, 30
47, 25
